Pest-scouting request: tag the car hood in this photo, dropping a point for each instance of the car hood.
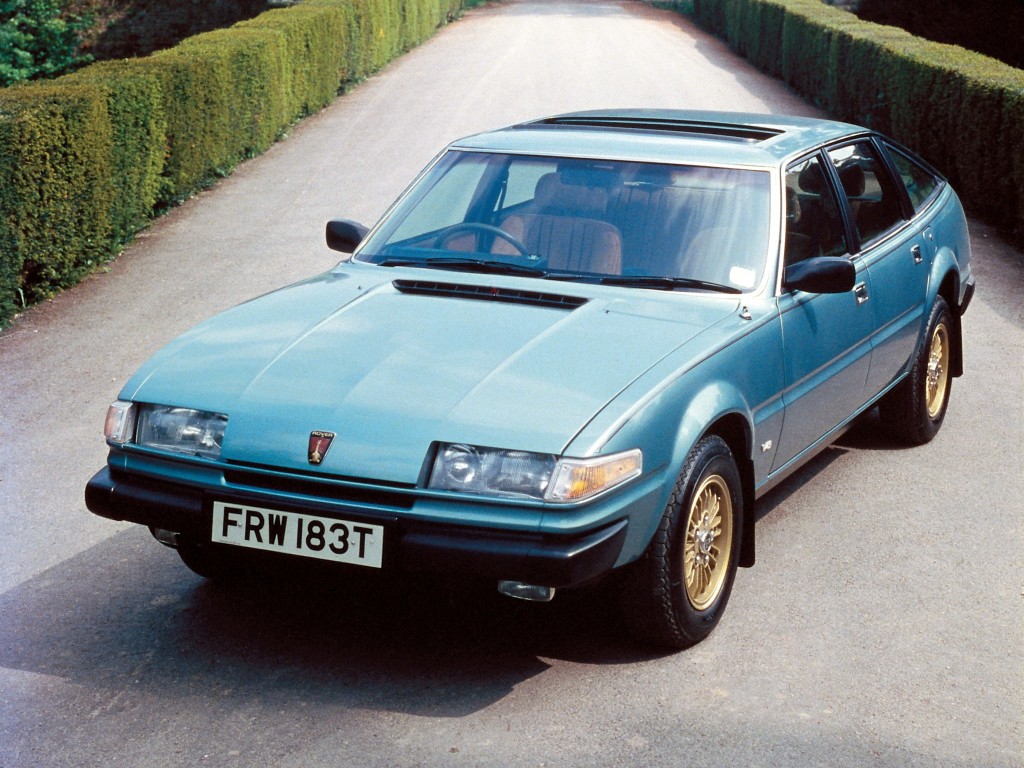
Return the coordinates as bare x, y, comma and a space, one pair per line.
476, 359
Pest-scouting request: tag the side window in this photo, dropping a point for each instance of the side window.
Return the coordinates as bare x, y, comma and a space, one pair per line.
874, 201
918, 180
814, 226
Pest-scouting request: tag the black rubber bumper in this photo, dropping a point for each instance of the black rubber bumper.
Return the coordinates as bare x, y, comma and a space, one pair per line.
542, 559
140, 500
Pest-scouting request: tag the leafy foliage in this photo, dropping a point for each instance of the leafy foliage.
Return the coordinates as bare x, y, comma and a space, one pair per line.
87, 159
35, 41
57, 190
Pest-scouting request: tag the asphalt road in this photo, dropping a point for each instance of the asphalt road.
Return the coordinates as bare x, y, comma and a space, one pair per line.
882, 626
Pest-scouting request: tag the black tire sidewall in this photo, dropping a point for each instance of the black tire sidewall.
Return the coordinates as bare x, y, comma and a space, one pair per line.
929, 425
710, 457
904, 411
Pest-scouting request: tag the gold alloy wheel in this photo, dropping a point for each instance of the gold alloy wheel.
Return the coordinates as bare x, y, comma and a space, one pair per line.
708, 543
938, 371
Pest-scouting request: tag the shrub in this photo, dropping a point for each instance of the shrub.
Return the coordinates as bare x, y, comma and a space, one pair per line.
135, 107
57, 190
86, 159
316, 44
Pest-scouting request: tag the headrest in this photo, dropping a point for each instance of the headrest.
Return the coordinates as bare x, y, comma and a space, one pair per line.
811, 179
851, 175
554, 193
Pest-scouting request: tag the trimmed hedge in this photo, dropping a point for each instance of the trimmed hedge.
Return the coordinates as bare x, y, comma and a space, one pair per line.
57, 192
86, 160
136, 110
961, 110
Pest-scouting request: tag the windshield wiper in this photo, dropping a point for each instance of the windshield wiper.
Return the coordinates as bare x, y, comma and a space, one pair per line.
666, 283
463, 264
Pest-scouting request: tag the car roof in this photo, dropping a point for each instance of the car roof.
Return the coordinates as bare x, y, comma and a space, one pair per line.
716, 138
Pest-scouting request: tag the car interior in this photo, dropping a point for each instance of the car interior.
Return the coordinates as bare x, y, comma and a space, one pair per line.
628, 219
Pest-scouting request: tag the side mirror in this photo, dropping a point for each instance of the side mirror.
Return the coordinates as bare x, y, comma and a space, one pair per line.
823, 274
344, 235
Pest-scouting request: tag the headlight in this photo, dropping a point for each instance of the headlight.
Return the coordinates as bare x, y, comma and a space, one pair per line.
181, 430
518, 474
491, 471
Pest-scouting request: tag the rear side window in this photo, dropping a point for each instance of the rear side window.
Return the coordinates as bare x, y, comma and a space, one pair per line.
874, 201
921, 184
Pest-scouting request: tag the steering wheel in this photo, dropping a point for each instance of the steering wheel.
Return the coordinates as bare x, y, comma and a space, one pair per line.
472, 226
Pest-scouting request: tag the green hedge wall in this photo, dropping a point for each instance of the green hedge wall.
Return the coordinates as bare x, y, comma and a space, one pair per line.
87, 159
136, 112
57, 189
962, 111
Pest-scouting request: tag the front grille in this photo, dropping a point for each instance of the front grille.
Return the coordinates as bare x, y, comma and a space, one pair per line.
318, 487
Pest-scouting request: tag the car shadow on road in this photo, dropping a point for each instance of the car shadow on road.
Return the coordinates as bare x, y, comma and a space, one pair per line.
865, 434
127, 613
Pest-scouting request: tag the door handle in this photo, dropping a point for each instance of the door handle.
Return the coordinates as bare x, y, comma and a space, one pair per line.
861, 292
916, 251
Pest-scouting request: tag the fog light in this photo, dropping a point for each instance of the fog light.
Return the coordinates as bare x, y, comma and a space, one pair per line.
522, 591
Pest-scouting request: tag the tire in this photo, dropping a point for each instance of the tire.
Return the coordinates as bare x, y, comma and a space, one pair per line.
913, 412
674, 596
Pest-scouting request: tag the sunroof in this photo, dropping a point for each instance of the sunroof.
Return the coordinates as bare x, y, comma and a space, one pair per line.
729, 131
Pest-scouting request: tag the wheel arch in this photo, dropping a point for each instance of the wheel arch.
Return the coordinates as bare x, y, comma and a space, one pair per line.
675, 422
721, 409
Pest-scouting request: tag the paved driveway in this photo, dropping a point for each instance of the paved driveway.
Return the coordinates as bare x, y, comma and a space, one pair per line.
883, 624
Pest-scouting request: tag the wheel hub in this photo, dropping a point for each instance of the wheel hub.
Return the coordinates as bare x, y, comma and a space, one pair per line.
705, 538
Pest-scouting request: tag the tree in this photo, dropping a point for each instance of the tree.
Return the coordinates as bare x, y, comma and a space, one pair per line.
36, 41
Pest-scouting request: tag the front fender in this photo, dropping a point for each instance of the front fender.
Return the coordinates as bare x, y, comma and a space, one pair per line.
730, 382
668, 441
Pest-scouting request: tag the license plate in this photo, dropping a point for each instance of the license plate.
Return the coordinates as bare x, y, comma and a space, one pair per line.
273, 530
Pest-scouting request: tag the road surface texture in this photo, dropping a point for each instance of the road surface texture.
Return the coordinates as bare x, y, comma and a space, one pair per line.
882, 625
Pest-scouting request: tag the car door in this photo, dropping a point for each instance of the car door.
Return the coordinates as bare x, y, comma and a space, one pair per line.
826, 337
894, 248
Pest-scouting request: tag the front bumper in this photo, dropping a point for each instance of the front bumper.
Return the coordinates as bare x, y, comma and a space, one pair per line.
534, 558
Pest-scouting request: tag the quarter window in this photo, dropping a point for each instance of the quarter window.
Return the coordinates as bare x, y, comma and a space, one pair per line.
920, 182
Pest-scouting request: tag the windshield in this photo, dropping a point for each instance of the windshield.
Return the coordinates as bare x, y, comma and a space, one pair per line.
594, 220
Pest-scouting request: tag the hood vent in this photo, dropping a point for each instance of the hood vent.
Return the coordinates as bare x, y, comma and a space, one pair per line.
489, 293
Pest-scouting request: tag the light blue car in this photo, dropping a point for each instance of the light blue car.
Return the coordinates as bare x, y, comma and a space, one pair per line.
575, 348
